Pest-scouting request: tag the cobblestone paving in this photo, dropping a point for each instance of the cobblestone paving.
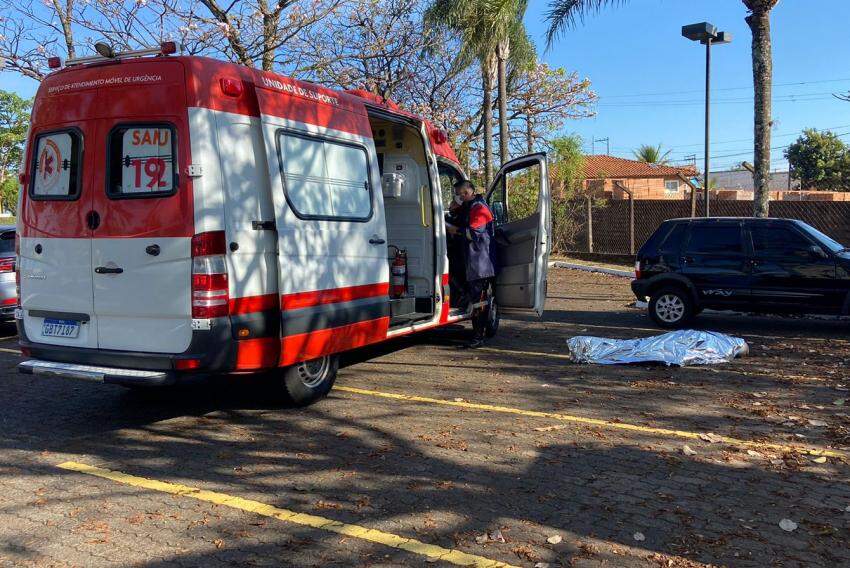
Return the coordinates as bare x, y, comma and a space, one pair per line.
446, 474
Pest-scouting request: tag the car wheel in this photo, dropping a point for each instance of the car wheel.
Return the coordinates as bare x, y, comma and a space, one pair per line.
671, 307
307, 382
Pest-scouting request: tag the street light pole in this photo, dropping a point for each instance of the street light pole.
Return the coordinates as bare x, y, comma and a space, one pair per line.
707, 124
708, 35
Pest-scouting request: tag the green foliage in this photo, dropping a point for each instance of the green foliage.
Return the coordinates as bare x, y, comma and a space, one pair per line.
14, 119
567, 167
820, 160
9, 195
482, 24
651, 154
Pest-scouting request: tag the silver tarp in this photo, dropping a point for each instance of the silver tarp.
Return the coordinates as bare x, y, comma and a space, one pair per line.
682, 348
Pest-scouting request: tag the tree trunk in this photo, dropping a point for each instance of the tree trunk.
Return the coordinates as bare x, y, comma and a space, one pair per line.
759, 22
529, 133
503, 52
65, 16
487, 112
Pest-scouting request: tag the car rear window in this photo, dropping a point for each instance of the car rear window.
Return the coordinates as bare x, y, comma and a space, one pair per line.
56, 165
7, 242
655, 241
673, 241
142, 161
715, 239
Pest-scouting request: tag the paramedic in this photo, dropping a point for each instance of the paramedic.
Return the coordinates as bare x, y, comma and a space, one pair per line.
473, 226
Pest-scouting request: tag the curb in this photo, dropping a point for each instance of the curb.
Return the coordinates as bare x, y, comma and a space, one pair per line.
590, 268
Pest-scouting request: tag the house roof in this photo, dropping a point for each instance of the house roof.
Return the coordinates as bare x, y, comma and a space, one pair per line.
602, 166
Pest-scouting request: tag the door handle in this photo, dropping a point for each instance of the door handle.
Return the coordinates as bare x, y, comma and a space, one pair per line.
263, 225
93, 219
687, 259
377, 241
108, 270
153, 250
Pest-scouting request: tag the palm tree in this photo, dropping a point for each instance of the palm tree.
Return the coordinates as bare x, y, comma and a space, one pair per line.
651, 154
566, 13
759, 22
488, 30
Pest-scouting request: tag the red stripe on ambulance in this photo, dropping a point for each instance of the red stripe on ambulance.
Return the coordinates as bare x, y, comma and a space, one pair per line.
333, 295
307, 346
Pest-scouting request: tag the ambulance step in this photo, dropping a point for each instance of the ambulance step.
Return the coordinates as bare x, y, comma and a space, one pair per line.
96, 374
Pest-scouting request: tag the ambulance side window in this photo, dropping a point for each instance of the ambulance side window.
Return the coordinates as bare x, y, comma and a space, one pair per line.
449, 176
325, 179
142, 161
57, 161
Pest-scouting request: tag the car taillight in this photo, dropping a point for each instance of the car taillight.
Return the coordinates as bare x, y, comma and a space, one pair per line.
210, 297
7, 265
637, 270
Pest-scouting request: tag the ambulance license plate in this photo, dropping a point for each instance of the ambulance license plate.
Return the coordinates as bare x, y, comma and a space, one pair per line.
60, 328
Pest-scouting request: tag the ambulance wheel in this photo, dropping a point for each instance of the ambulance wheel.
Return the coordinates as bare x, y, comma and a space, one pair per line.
307, 382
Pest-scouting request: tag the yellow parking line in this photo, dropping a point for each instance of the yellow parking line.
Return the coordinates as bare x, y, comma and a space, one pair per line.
594, 422
387, 539
530, 353
5, 350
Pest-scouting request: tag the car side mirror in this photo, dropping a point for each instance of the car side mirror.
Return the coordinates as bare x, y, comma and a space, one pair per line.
817, 252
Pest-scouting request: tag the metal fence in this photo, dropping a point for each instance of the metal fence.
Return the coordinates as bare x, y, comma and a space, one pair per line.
621, 226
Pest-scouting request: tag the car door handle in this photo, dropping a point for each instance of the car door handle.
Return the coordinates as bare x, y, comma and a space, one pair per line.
377, 241
108, 270
687, 259
264, 225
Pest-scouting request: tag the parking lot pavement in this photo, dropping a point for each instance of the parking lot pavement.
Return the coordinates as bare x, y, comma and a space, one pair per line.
427, 454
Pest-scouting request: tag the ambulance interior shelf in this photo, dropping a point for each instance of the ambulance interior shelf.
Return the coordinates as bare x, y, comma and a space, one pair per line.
408, 209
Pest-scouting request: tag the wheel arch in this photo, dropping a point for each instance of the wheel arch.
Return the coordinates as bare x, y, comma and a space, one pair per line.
664, 280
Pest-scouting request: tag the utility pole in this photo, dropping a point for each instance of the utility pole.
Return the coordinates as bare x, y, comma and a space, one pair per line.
607, 145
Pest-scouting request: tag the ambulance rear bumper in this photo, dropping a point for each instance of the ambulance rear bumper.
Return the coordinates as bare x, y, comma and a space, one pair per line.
110, 375
210, 351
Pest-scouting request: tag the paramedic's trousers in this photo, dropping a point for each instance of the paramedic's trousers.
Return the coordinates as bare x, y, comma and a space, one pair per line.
477, 289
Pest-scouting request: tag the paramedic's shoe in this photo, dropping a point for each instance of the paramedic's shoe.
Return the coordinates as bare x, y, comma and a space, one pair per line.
475, 343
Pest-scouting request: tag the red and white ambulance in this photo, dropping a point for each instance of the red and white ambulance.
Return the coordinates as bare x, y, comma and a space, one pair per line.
182, 215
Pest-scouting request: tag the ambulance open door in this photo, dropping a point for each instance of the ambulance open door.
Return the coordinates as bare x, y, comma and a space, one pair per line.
520, 201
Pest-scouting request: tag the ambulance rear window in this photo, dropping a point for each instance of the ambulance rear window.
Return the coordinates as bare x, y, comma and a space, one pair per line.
56, 166
142, 161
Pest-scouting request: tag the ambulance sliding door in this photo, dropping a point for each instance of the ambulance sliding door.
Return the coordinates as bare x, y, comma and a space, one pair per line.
333, 272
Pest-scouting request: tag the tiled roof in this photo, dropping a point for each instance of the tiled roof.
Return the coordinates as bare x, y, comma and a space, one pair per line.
601, 166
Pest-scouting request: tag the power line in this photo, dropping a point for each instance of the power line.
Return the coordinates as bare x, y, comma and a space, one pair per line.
790, 99
700, 144
721, 89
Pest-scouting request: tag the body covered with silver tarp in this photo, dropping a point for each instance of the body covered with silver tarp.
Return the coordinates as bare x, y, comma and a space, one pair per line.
682, 348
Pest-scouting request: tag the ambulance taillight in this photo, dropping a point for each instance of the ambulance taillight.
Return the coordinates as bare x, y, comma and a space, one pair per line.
210, 297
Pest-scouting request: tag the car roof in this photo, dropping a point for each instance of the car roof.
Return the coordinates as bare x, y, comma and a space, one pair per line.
719, 219
4, 228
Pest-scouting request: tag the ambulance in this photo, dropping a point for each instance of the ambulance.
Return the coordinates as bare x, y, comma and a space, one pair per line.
186, 216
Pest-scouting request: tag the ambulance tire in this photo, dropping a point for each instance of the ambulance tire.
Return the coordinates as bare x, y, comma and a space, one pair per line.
307, 382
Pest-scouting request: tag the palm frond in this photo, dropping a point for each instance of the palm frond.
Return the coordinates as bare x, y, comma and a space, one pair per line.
564, 14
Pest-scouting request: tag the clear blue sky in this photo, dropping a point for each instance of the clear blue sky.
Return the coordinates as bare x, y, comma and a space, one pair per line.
637, 48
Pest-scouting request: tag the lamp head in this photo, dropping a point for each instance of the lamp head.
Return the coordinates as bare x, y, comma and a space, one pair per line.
104, 49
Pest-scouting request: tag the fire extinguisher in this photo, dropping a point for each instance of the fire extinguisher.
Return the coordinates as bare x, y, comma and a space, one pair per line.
398, 273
